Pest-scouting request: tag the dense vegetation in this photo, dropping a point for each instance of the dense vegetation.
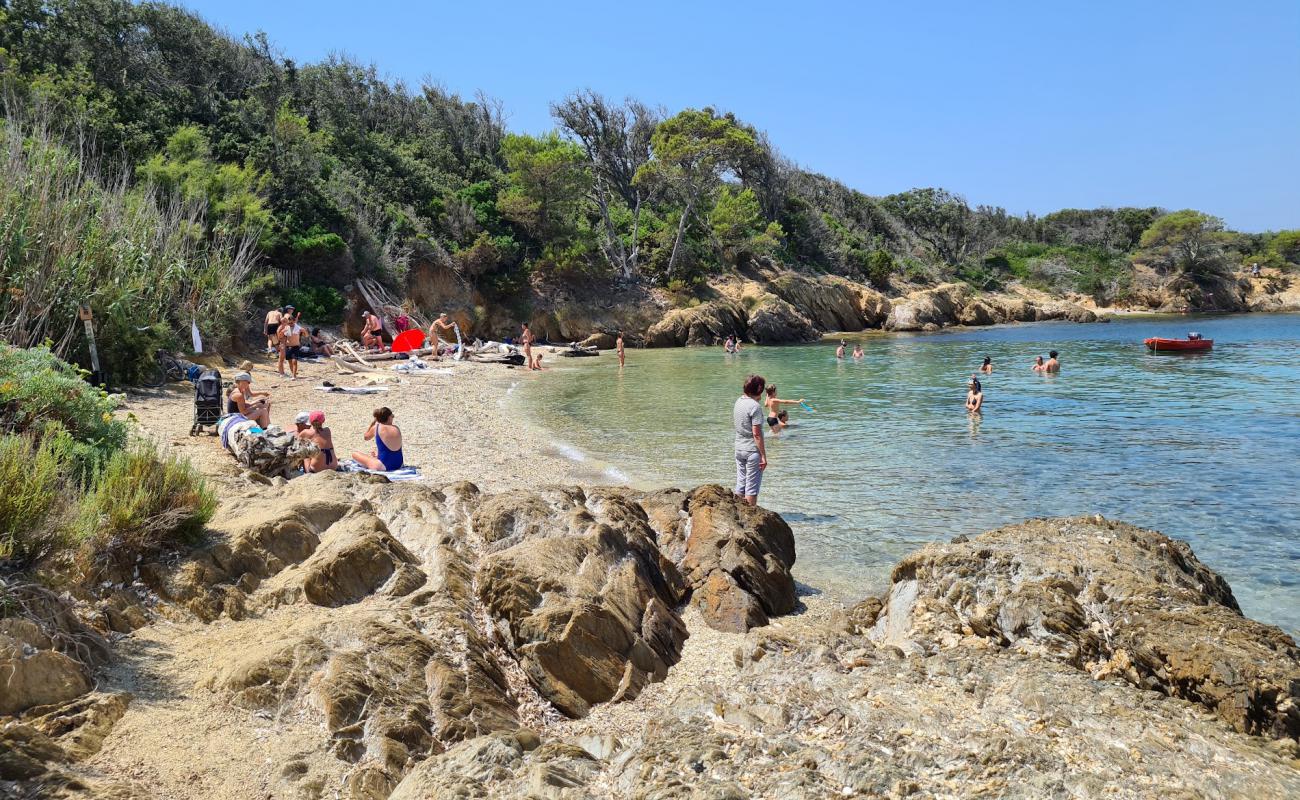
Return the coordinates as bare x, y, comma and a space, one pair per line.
334, 171
77, 490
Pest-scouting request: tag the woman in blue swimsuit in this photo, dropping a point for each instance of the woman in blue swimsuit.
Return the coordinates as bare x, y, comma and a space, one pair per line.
388, 443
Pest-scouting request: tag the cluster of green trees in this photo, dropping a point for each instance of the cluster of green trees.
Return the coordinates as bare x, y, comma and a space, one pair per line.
335, 171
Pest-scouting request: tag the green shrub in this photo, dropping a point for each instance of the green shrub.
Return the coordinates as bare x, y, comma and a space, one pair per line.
43, 396
142, 502
142, 259
32, 474
318, 304
880, 265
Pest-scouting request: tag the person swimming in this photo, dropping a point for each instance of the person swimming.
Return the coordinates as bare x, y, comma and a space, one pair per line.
1052, 365
839, 351
974, 395
1038, 364
987, 366
857, 352
773, 405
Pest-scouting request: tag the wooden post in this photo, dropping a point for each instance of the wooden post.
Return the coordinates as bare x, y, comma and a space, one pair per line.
86, 318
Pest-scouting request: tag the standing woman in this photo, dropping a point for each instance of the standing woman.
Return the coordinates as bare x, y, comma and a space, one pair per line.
751, 455
618, 345
526, 339
387, 455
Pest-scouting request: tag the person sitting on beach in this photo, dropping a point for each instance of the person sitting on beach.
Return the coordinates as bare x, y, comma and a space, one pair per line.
323, 438
857, 352
442, 324
1053, 364
839, 351
773, 405
387, 455
1038, 364
371, 338
243, 400
320, 346
301, 422
974, 396
618, 346
272, 326
987, 366
751, 454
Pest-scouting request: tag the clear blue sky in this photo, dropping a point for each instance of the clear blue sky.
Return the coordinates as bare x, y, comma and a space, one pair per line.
1033, 106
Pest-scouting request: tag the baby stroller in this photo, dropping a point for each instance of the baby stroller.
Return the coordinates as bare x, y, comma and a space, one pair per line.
207, 401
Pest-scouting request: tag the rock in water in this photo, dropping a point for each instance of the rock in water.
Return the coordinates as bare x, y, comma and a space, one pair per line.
1105, 597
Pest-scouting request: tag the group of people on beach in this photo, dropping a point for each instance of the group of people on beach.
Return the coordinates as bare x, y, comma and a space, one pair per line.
255, 405
286, 335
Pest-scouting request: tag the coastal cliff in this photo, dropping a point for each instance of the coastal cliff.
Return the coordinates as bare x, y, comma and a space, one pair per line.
340, 636
770, 304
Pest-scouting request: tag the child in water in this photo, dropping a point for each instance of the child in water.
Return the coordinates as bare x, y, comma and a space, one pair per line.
857, 352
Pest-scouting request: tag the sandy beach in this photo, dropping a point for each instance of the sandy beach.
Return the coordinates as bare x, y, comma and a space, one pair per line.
456, 426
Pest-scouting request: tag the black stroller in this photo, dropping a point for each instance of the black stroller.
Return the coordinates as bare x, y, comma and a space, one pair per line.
207, 401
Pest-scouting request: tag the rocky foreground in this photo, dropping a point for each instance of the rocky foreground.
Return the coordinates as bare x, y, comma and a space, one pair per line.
345, 637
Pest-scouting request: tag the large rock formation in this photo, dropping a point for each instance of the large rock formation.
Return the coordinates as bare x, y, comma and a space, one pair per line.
370, 640
590, 613
736, 557
1107, 598
704, 324
928, 308
774, 321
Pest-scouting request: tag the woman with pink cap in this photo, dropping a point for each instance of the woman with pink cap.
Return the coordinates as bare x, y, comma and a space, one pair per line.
319, 435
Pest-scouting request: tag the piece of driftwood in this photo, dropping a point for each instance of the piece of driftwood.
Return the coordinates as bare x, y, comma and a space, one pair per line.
384, 304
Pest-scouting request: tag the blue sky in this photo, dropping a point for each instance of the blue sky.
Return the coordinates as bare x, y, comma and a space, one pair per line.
1030, 106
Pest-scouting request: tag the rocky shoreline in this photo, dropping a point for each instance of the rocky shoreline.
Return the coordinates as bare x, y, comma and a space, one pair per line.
340, 636
768, 304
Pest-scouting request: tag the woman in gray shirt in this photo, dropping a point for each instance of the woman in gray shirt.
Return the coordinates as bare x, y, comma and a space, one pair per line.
751, 457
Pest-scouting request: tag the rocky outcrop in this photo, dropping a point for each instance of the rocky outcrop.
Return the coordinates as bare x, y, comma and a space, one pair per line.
1107, 598
735, 557
591, 613
774, 321
928, 309
1057, 658
704, 324
829, 302
46, 653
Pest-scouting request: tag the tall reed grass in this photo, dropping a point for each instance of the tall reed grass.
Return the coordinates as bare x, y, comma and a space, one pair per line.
73, 230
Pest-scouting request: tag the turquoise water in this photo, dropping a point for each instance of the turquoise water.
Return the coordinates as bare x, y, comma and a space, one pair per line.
1204, 447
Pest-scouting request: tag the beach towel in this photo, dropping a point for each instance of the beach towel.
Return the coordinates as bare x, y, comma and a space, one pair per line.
403, 474
353, 389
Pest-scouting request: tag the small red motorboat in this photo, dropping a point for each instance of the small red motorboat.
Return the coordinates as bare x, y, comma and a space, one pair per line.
1192, 343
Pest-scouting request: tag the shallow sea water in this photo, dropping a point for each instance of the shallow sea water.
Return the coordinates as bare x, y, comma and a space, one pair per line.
1204, 447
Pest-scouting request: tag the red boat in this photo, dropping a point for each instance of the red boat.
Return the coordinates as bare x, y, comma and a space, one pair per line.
1184, 345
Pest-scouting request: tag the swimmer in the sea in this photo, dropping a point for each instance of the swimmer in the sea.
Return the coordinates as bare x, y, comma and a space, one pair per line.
974, 396
839, 351
857, 352
987, 366
1038, 364
773, 405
